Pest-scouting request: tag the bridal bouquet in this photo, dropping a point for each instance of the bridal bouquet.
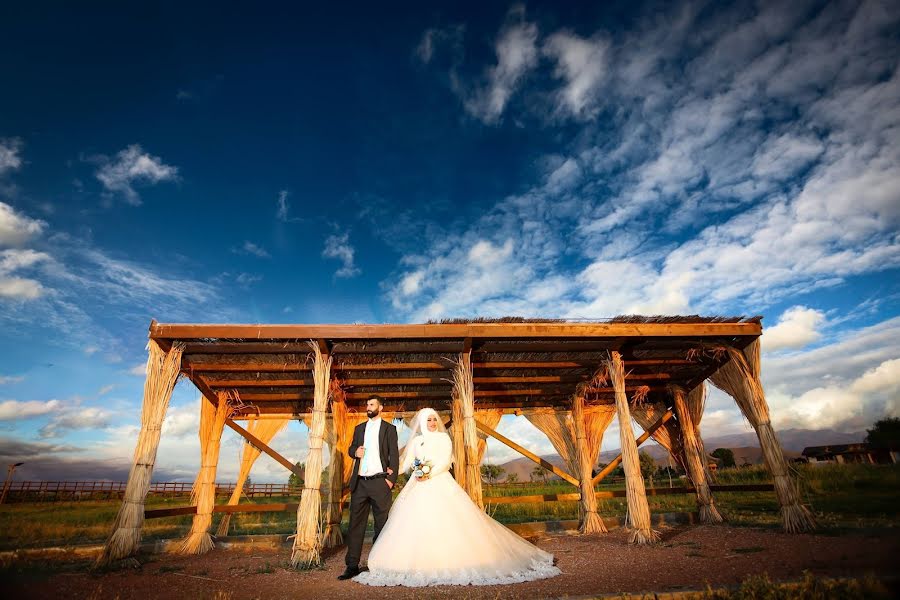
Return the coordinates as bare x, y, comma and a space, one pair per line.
421, 469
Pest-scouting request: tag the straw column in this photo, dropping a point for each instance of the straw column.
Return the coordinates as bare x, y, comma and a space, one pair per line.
590, 520
465, 392
740, 378
459, 440
308, 540
694, 458
638, 510
203, 494
339, 443
162, 374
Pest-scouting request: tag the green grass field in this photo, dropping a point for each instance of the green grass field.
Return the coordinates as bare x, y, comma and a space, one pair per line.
842, 496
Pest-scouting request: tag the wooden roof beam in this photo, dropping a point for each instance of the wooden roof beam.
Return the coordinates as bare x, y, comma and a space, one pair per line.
452, 330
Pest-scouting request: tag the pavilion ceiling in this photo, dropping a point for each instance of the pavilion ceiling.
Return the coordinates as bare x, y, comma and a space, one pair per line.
517, 363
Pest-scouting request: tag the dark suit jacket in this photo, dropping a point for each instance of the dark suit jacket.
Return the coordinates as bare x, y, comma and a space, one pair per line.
387, 446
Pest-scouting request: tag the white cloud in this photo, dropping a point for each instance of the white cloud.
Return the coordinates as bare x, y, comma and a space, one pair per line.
846, 383
75, 418
10, 160
251, 248
582, 65
338, 247
139, 370
7, 379
798, 327
106, 389
851, 405
12, 410
517, 54
247, 279
20, 288
283, 207
435, 40
133, 165
16, 228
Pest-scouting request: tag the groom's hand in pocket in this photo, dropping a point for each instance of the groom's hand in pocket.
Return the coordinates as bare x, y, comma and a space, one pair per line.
389, 482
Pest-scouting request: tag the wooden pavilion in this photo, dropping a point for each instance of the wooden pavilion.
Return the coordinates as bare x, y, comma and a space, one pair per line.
570, 379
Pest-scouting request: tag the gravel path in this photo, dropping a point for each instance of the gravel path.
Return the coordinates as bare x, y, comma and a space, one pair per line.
686, 558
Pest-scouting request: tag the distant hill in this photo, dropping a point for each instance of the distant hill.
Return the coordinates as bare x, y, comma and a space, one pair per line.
744, 445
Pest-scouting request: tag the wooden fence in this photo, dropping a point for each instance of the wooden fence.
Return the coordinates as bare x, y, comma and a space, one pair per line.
52, 491
572, 497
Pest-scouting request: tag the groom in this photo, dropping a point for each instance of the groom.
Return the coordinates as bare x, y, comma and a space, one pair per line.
377, 459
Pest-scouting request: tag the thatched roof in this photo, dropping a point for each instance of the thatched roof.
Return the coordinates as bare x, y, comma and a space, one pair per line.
518, 362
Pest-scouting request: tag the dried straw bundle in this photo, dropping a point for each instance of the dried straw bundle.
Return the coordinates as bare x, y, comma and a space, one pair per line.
265, 431
596, 421
590, 520
560, 430
203, 494
490, 417
339, 442
163, 369
666, 436
693, 451
740, 378
638, 510
464, 387
308, 540
459, 441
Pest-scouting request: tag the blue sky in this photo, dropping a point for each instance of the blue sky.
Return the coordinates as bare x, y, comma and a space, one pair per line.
357, 165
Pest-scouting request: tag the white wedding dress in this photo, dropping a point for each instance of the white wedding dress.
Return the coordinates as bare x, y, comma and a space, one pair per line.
435, 535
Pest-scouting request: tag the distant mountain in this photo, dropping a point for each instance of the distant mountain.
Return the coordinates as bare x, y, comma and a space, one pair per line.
744, 445
793, 440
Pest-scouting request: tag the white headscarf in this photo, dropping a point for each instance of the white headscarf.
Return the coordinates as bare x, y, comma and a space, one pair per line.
420, 436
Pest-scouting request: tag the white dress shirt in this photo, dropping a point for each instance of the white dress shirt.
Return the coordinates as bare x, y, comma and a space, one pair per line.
371, 460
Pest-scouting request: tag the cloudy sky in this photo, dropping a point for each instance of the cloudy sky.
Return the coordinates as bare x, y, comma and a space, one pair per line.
362, 166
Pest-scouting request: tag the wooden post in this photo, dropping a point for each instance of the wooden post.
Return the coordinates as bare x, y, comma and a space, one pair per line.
638, 509
590, 520
163, 369
694, 457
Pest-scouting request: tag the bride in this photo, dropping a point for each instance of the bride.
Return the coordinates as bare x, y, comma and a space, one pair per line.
435, 535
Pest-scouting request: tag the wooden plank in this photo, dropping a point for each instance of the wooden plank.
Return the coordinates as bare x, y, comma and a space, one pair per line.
264, 364
526, 453
258, 396
606, 494
260, 445
461, 331
275, 409
301, 382
644, 437
157, 513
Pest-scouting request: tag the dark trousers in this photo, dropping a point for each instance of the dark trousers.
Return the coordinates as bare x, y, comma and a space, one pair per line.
369, 493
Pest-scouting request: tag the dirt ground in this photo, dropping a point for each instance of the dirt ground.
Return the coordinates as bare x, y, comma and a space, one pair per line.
687, 558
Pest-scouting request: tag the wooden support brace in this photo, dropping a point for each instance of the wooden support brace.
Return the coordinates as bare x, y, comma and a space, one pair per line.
526, 453
644, 437
259, 445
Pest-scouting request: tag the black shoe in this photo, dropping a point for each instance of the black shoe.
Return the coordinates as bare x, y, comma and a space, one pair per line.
349, 573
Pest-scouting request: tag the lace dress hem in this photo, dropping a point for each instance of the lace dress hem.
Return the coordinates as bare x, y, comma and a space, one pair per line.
538, 570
